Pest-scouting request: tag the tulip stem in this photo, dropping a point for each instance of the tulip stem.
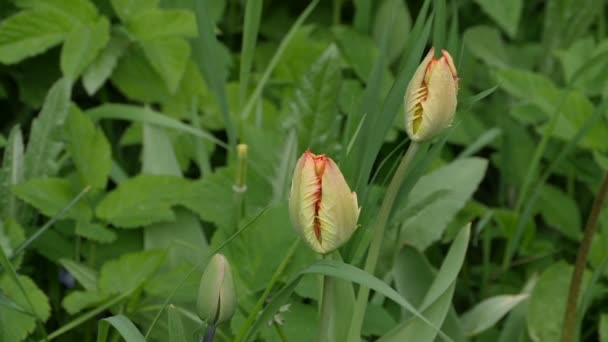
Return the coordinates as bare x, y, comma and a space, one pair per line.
210, 333
376, 242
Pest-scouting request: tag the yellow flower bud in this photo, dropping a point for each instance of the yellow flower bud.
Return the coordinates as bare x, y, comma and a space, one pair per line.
216, 301
323, 210
430, 98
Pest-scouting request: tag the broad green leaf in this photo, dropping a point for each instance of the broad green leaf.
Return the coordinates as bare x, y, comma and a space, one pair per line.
176, 327
183, 239
123, 325
168, 56
89, 148
560, 212
438, 299
11, 173
127, 9
135, 77
100, 70
50, 196
143, 200
603, 329
411, 261
155, 23
505, 13
82, 45
43, 147
572, 106
314, 108
15, 325
485, 43
418, 330
11, 236
487, 313
436, 198
158, 156
86, 276
548, 302
378, 320
77, 301
129, 271
76, 10
393, 20
95, 232
29, 33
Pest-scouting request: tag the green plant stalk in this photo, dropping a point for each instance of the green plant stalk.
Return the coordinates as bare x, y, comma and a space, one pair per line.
327, 307
280, 332
260, 303
581, 262
376, 243
210, 333
85, 317
239, 187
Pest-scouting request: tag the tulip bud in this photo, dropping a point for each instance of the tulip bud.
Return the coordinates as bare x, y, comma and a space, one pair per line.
323, 210
216, 295
430, 98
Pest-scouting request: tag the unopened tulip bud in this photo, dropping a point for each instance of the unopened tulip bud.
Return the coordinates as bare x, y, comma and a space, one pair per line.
323, 210
216, 295
430, 98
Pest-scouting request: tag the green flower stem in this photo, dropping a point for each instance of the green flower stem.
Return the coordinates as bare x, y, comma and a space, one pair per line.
280, 332
378, 231
239, 187
260, 303
327, 307
581, 262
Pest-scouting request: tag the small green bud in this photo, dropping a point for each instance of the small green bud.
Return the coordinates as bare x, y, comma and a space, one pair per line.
216, 295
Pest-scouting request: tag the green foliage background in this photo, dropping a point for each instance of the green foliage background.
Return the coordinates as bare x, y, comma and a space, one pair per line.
134, 108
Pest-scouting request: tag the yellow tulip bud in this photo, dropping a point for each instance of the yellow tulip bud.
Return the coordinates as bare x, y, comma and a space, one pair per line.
323, 210
430, 98
216, 301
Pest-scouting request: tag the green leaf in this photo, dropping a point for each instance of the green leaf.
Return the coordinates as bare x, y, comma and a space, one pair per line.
82, 45
76, 10
603, 329
89, 148
87, 277
315, 103
50, 196
548, 302
98, 72
443, 191
15, 325
11, 173
487, 313
176, 328
126, 9
43, 148
156, 23
143, 200
95, 232
183, 239
29, 33
505, 13
135, 77
392, 19
129, 271
77, 301
123, 325
560, 211
168, 57
11, 236
485, 43
158, 157
438, 299
147, 115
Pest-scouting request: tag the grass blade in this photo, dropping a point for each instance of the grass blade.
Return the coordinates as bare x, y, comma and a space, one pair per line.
253, 15
123, 325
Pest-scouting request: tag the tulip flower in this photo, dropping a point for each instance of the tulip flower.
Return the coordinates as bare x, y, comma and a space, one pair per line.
430, 98
323, 210
216, 295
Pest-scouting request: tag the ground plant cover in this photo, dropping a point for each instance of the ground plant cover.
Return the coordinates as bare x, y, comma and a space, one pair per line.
327, 170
